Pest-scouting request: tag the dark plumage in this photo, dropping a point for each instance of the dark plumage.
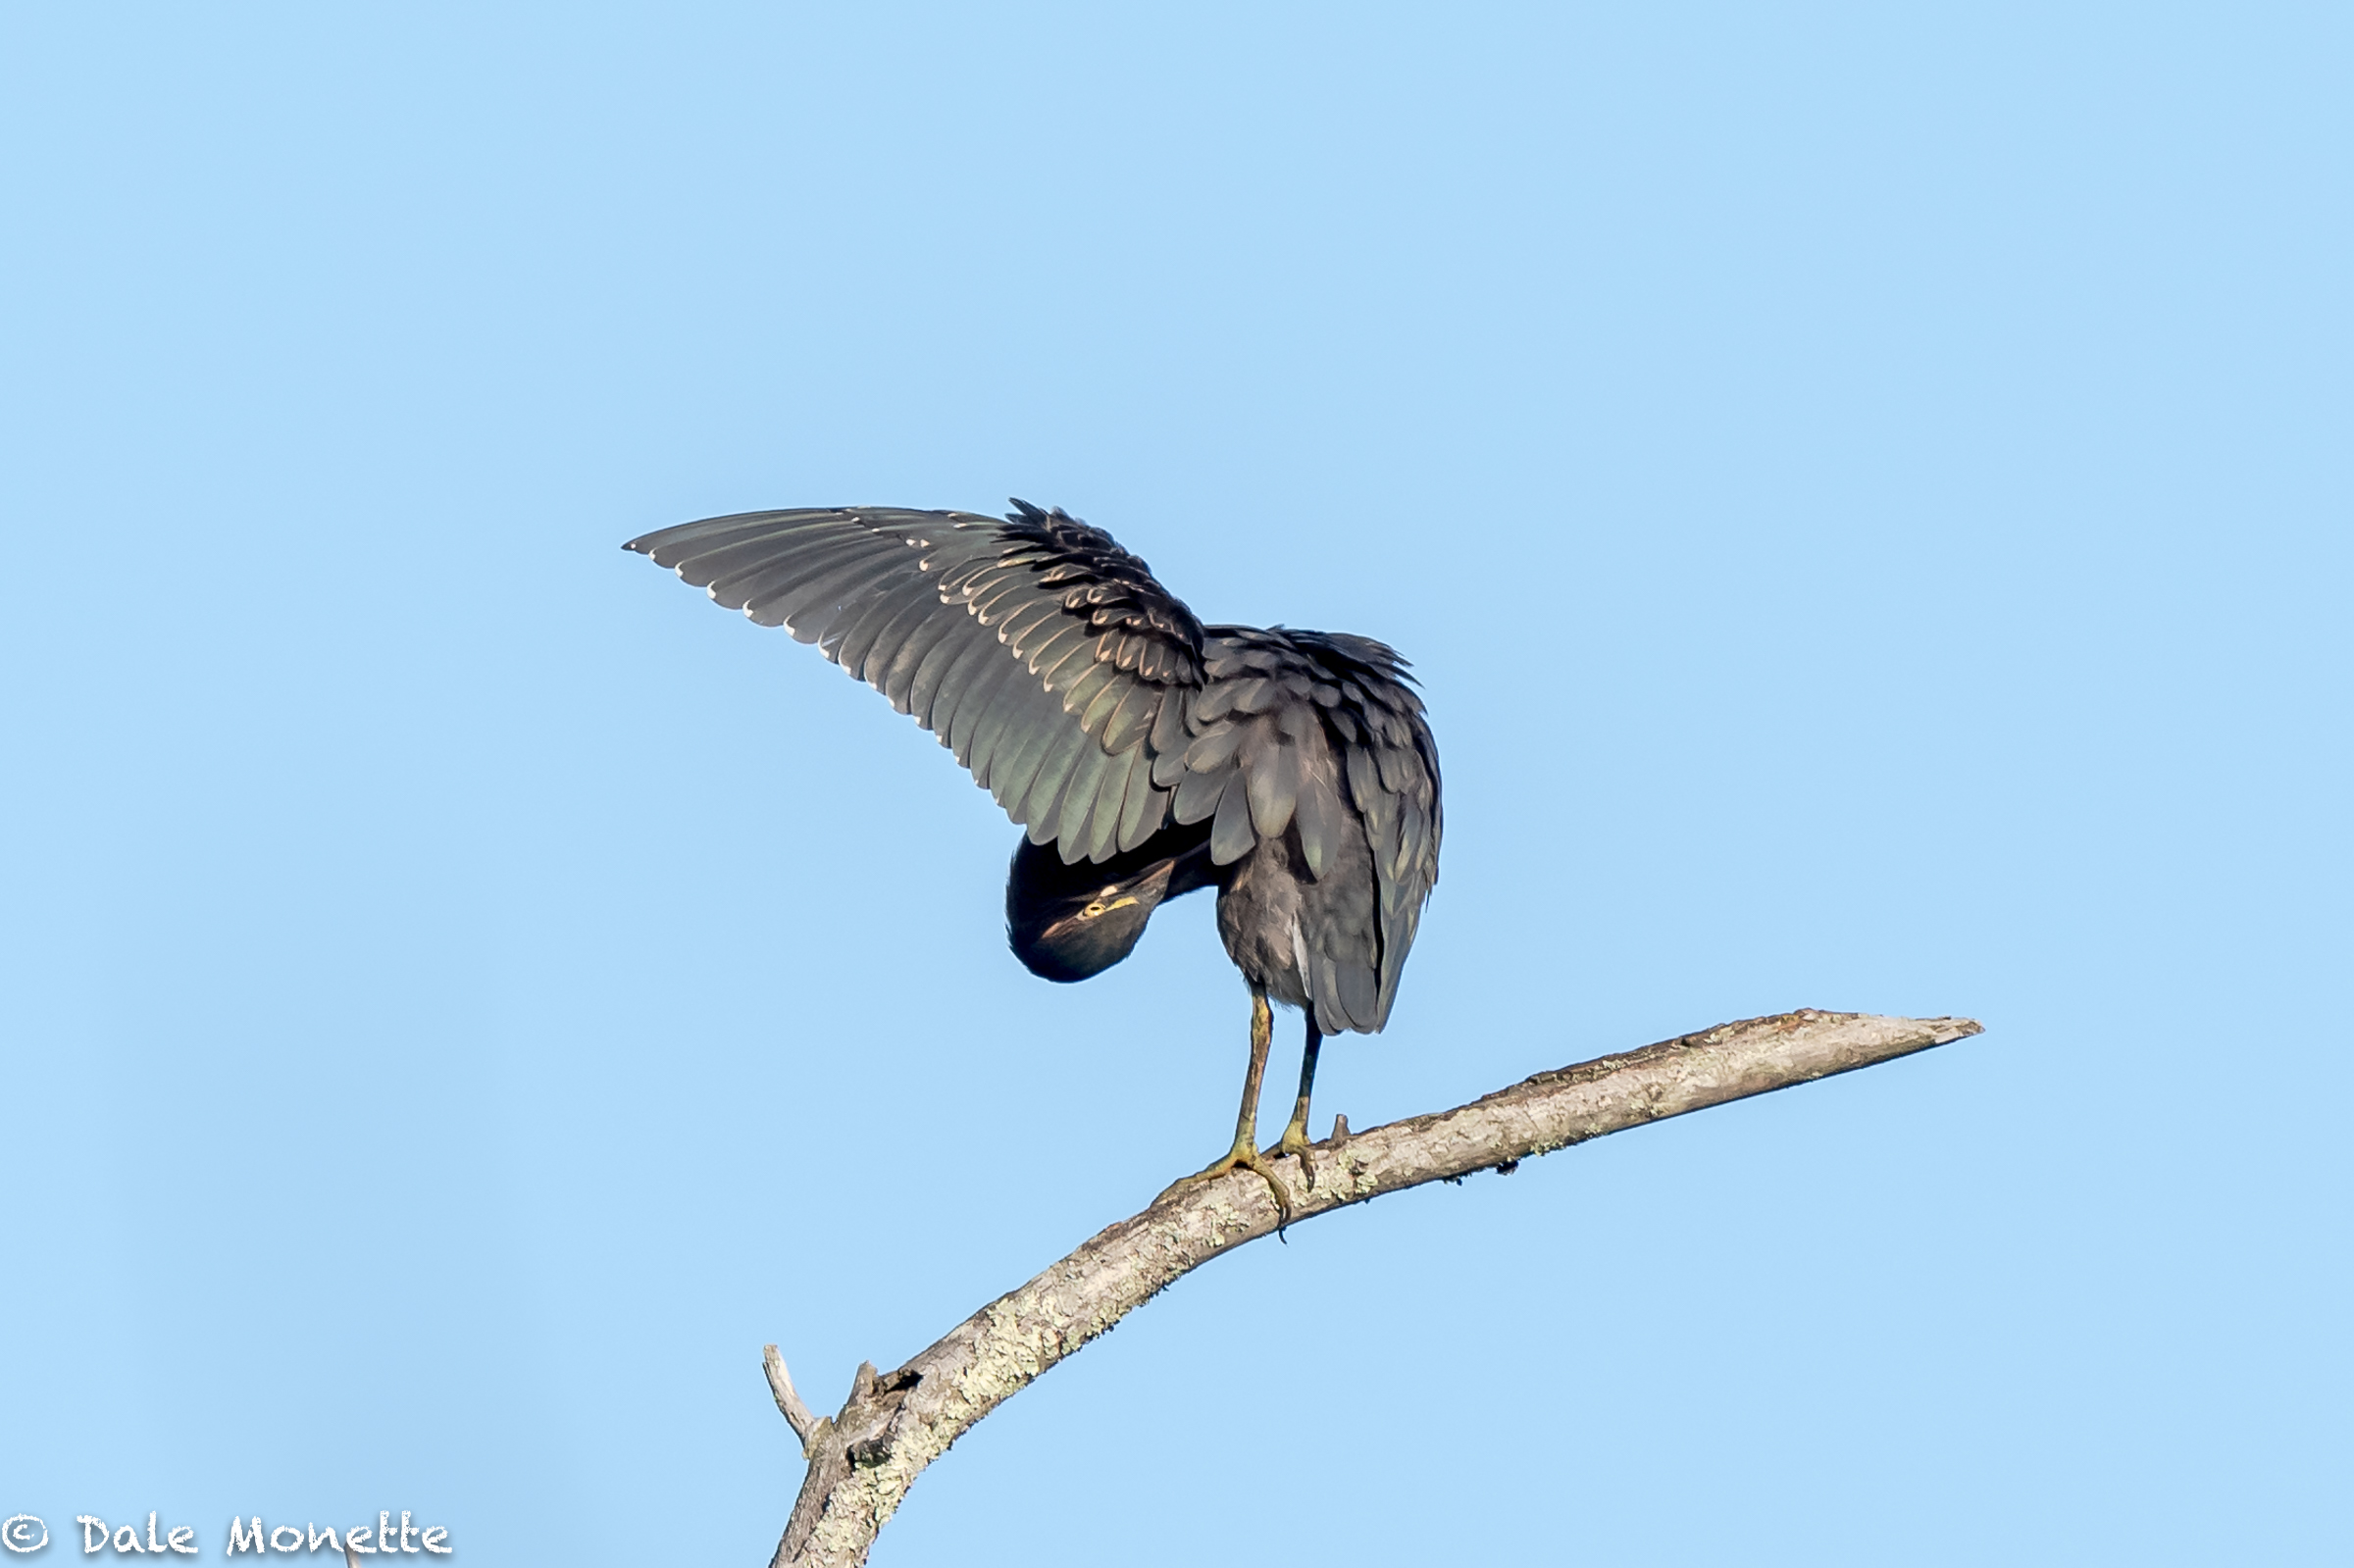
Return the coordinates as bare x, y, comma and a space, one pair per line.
1149, 755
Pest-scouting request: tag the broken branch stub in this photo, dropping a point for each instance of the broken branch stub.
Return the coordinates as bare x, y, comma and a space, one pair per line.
806, 1427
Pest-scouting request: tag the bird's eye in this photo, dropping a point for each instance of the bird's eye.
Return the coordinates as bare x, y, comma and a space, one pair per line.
1091, 910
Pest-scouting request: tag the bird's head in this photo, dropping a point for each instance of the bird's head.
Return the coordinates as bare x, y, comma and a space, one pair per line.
1066, 923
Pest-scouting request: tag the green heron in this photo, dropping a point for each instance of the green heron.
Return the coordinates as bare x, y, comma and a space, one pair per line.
1147, 754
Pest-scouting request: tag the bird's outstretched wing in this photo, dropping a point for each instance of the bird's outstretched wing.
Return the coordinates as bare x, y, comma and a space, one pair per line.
1098, 710
1041, 653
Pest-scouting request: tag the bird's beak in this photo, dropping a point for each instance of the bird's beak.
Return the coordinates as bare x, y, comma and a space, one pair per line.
1097, 908
1146, 890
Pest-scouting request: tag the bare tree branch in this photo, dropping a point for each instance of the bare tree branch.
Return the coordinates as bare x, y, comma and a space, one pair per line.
806, 1427
862, 1462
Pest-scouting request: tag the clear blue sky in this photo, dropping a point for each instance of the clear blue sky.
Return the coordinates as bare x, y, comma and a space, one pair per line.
1868, 492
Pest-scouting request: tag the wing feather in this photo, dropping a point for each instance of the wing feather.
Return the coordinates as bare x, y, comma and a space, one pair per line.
1198, 795
962, 704
1214, 750
1045, 655
1021, 751
1034, 804
866, 647
1094, 697
1021, 746
1272, 767
902, 680
1131, 719
802, 606
1230, 835
724, 565
997, 595
1145, 808
1171, 729
1078, 698
759, 567
1103, 820
1319, 814
990, 717
1074, 813
822, 616
953, 681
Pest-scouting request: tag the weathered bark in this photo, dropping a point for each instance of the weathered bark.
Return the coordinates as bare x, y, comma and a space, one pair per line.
862, 1460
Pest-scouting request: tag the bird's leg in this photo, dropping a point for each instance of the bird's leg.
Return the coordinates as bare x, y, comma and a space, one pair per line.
1246, 1122
1245, 1155
1294, 1131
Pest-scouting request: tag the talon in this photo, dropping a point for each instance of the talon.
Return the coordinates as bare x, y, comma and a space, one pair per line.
1293, 1144
1241, 1158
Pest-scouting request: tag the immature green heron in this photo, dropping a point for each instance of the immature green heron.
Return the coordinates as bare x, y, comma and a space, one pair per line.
1147, 754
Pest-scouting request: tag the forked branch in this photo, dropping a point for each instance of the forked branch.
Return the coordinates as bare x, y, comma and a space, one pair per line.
863, 1461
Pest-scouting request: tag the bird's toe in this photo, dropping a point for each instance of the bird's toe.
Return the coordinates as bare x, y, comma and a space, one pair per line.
1241, 1158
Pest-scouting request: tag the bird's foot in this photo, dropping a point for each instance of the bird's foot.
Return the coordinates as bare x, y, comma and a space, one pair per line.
1241, 1157
1294, 1143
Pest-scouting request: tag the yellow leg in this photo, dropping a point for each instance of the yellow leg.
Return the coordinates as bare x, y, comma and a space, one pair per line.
1245, 1155
1294, 1131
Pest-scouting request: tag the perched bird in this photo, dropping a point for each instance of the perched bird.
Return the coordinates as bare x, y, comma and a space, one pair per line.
1149, 755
